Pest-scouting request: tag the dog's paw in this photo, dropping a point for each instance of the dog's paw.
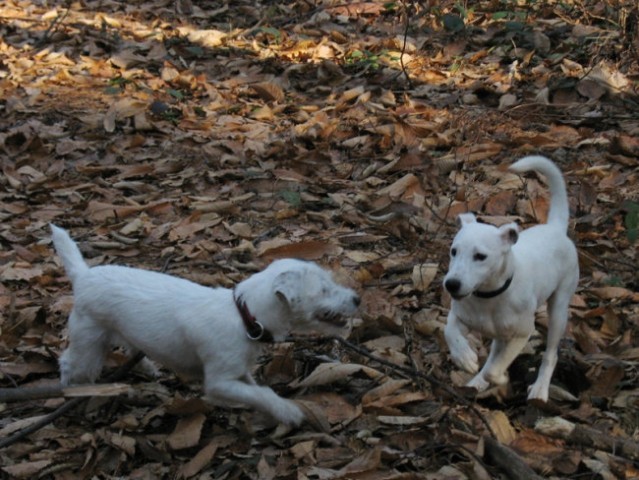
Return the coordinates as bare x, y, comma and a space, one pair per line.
479, 383
538, 392
288, 412
465, 358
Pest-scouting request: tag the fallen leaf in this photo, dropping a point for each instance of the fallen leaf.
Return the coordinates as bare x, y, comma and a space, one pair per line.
327, 373
307, 250
187, 432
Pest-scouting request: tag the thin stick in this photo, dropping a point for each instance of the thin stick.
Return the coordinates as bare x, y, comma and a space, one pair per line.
119, 373
412, 372
56, 21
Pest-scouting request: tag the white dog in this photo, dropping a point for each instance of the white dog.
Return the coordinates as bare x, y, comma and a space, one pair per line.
498, 278
195, 330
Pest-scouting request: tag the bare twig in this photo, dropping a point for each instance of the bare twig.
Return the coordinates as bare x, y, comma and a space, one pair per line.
19, 394
412, 372
56, 21
119, 373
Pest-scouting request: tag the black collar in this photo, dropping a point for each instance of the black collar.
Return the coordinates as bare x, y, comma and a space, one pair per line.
494, 293
254, 330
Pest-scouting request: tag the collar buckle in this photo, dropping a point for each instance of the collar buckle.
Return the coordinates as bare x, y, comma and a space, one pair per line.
255, 331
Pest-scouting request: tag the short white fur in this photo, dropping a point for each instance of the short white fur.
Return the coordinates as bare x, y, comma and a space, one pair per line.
543, 265
195, 330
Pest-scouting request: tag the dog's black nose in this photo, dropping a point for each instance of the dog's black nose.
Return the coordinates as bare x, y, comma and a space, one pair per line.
452, 285
357, 300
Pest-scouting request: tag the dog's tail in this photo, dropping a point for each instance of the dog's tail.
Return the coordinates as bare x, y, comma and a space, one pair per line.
74, 264
559, 210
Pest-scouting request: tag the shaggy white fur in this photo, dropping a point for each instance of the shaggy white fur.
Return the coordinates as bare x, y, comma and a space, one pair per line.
196, 330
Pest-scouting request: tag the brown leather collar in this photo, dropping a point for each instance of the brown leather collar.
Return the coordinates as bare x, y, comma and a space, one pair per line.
254, 330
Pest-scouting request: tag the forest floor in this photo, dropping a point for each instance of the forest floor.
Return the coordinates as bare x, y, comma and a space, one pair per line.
206, 139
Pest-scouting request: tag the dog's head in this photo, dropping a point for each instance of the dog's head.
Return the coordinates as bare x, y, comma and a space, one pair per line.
315, 300
478, 255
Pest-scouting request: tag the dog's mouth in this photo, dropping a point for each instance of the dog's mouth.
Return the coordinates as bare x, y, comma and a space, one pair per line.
458, 296
332, 318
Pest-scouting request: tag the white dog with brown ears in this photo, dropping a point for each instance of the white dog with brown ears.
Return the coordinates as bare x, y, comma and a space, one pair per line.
499, 277
197, 331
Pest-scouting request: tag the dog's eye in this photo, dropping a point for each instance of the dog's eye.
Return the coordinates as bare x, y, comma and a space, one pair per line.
479, 257
453, 252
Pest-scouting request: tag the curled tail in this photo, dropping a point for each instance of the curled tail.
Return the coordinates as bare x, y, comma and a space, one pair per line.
74, 264
559, 210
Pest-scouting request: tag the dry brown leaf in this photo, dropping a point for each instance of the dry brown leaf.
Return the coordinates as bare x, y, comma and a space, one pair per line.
24, 369
475, 153
530, 442
124, 443
20, 424
26, 469
315, 415
20, 272
501, 203
400, 399
500, 424
423, 275
402, 188
614, 293
327, 373
307, 250
364, 463
269, 91
204, 456
207, 38
386, 389
187, 432
123, 108
329, 408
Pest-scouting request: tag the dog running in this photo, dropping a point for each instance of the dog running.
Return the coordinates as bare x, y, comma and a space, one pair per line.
499, 277
197, 331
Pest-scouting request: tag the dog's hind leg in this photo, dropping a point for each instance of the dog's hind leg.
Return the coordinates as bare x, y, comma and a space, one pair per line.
557, 320
259, 397
88, 345
495, 370
145, 366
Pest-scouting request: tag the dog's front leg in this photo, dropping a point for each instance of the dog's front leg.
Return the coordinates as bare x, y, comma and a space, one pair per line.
256, 396
461, 352
495, 370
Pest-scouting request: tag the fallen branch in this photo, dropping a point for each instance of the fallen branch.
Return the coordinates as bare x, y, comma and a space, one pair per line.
585, 436
54, 391
508, 461
69, 405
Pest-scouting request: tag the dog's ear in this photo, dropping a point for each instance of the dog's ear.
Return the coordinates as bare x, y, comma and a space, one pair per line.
465, 219
509, 233
286, 284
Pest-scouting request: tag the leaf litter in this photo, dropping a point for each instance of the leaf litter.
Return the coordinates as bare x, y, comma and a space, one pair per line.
206, 141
